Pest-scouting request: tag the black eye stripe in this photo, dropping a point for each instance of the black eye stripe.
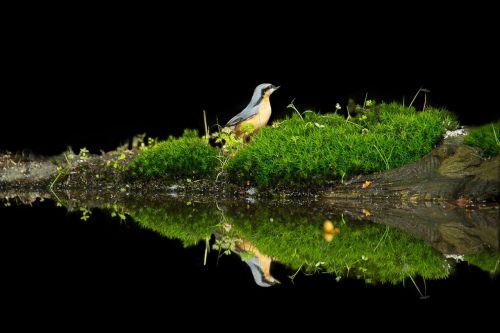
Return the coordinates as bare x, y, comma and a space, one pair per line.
266, 89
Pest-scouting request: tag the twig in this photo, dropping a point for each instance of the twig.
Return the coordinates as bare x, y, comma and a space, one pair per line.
54, 181
413, 100
292, 106
425, 91
382, 238
422, 296
206, 126
425, 100
207, 247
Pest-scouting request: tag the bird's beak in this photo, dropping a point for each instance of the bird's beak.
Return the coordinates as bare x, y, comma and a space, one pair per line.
276, 88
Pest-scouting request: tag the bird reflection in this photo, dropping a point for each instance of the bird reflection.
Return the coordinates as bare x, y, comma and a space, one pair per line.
259, 263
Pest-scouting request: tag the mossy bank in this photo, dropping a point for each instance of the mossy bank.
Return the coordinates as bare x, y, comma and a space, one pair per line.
306, 153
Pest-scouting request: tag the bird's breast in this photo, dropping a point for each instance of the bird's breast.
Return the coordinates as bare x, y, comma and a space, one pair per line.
260, 119
264, 113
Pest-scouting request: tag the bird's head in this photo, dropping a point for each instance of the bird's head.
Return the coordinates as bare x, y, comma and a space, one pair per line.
265, 89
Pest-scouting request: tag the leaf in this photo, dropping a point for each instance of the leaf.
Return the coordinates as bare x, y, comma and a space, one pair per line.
366, 184
366, 212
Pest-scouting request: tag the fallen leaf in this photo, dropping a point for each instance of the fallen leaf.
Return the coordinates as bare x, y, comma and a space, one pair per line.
328, 226
366, 184
329, 231
463, 202
328, 237
366, 212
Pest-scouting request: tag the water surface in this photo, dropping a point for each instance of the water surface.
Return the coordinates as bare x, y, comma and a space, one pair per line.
82, 242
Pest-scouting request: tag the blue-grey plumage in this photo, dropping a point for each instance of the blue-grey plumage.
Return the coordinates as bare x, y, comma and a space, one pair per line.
258, 274
257, 112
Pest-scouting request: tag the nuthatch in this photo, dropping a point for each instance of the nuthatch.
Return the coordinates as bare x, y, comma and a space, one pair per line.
259, 263
257, 112
262, 277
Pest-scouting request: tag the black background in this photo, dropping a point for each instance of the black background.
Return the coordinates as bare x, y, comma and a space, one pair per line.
94, 77
97, 77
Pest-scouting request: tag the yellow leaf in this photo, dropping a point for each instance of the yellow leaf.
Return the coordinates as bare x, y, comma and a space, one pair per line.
366, 184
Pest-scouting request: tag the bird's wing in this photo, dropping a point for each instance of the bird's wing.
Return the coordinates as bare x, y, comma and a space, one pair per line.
248, 112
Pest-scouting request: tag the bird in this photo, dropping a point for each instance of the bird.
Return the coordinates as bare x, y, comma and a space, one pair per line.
261, 276
259, 263
256, 114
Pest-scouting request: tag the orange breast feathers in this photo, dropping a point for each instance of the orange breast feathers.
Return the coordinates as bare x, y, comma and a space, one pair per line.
261, 118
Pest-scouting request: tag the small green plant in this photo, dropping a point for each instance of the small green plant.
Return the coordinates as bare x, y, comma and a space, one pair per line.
151, 143
247, 128
64, 167
230, 146
85, 213
486, 137
83, 154
294, 108
117, 211
225, 245
369, 102
229, 141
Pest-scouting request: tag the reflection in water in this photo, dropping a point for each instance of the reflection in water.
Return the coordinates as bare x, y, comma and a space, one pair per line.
329, 231
294, 236
259, 263
386, 246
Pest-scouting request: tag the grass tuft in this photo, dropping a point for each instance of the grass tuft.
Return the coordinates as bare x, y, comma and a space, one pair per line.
187, 156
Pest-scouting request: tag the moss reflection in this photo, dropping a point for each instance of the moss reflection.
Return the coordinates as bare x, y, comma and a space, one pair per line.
487, 259
294, 237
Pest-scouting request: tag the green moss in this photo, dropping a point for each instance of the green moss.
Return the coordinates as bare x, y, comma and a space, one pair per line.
183, 221
488, 260
317, 147
187, 156
486, 137
374, 252
305, 149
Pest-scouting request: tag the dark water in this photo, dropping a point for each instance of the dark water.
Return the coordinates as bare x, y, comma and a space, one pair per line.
157, 249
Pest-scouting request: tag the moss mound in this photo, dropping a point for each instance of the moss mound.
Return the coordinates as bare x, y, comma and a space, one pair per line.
317, 147
486, 137
187, 156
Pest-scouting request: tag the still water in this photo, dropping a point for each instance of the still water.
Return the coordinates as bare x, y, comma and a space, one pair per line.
77, 242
